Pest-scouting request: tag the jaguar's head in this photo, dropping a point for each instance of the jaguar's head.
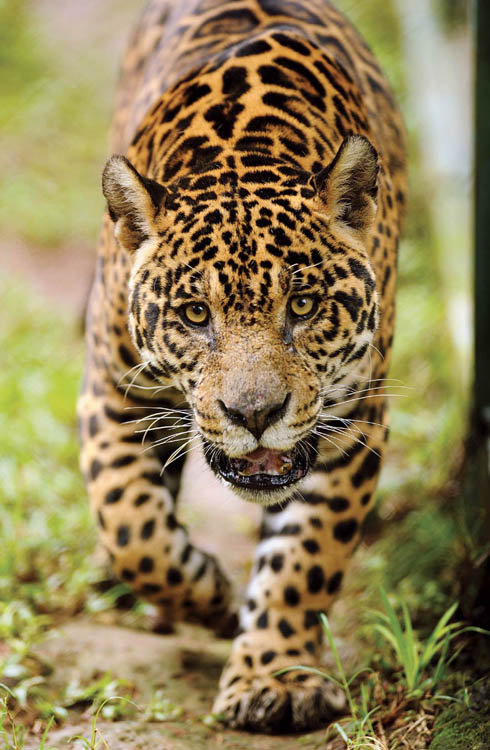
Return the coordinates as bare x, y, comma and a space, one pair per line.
256, 301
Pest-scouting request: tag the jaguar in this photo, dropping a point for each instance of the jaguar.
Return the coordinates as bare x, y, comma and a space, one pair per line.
243, 305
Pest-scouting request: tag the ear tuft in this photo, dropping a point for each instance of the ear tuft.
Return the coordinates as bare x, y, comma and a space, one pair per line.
134, 201
348, 185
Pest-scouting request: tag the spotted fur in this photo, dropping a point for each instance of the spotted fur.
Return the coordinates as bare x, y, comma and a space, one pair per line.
263, 163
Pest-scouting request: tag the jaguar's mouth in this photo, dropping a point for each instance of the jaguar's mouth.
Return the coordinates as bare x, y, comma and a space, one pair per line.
263, 469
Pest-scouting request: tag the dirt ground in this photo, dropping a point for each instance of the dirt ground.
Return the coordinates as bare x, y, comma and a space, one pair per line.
186, 666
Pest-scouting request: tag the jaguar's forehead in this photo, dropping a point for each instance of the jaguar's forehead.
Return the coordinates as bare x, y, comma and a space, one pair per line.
246, 240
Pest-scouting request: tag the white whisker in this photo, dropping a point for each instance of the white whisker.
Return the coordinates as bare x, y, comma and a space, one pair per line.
140, 365
178, 452
376, 395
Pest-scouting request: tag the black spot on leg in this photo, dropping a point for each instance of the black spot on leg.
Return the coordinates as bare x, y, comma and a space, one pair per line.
315, 579
277, 562
344, 530
301, 678
365, 498
150, 588
311, 546
93, 425
367, 470
263, 620
268, 656
148, 528
291, 596
118, 463
285, 628
334, 582
113, 496
123, 535
146, 565
200, 571
248, 661
338, 504
311, 619
174, 576
127, 575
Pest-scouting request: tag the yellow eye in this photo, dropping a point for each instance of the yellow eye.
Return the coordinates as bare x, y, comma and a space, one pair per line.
303, 306
196, 314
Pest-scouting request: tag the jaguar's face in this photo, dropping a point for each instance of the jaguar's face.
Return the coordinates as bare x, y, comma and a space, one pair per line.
257, 309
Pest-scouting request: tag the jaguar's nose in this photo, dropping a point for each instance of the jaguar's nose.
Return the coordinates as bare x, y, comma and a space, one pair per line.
255, 420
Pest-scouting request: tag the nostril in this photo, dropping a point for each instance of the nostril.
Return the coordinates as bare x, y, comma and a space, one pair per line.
233, 415
276, 412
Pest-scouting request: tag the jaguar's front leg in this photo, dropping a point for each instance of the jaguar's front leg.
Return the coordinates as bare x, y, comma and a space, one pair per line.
299, 567
133, 502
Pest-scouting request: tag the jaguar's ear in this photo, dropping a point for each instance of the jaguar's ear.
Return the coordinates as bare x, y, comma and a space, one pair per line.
348, 186
134, 202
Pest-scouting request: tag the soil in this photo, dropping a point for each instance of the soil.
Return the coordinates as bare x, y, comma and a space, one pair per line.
186, 666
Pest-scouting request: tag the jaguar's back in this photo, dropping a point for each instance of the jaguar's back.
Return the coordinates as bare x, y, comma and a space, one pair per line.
244, 303
174, 38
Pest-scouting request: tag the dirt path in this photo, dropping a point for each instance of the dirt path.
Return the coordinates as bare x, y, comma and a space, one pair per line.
186, 666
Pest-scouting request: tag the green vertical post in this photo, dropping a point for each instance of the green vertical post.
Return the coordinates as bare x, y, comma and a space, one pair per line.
477, 476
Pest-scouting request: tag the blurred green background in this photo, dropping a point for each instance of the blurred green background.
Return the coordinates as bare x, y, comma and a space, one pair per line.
58, 66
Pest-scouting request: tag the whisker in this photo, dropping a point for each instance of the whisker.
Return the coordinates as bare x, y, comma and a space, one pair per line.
377, 395
377, 350
173, 438
138, 372
194, 270
177, 424
346, 419
355, 439
140, 365
151, 387
305, 268
178, 452
156, 414
332, 442
355, 392
164, 409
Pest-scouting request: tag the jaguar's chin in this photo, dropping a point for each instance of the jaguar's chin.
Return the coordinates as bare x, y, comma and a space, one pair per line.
266, 476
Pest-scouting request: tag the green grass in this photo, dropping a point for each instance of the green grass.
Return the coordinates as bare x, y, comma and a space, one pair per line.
46, 536
421, 671
56, 104
421, 666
